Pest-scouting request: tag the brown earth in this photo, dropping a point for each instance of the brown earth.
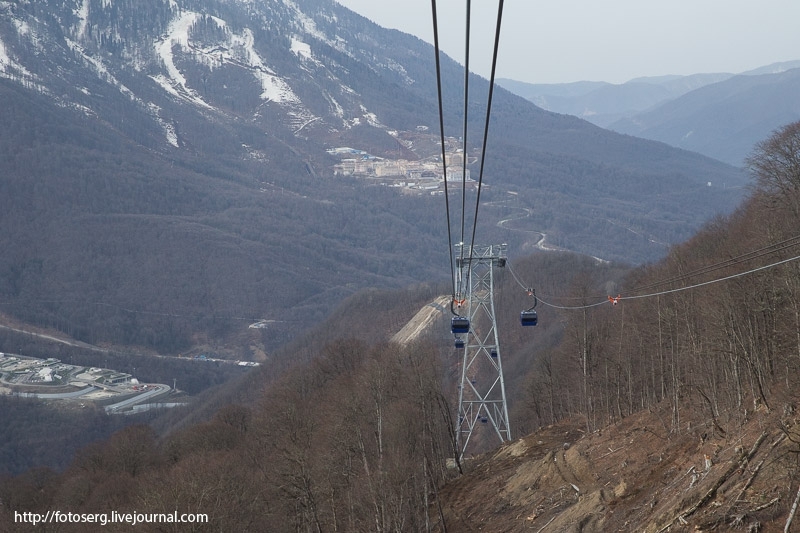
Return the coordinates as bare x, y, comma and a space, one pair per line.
426, 317
635, 475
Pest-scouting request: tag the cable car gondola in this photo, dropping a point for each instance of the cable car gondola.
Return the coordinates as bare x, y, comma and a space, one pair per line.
529, 317
459, 343
459, 324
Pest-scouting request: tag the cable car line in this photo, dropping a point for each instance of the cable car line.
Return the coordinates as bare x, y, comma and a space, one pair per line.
444, 153
755, 254
748, 256
527, 317
456, 322
488, 116
740, 274
782, 245
464, 134
516, 278
678, 289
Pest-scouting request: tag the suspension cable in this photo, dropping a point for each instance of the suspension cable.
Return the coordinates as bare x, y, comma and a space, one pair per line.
444, 152
464, 135
516, 277
456, 289
488, 116
741, 258
748, 256
678, 289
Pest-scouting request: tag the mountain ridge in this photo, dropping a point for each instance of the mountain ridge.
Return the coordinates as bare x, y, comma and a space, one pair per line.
683, 111
723, 120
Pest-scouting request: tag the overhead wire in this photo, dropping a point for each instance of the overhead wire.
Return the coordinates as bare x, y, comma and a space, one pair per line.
659, 293
571, 307
456, 281
740, 274
488, 116
748, 256
464, 133
530, 290
516, 277
444, 151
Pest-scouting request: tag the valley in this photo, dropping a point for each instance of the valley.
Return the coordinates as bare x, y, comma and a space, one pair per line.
52, 380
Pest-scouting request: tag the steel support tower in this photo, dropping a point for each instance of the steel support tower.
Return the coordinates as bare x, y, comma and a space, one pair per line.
482, 394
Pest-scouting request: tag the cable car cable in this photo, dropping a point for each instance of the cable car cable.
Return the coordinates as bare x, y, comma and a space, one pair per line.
464, 133
456, 289
678, 289
488, 116
444, 152
755, 254
748, 256
516, 277
740, 274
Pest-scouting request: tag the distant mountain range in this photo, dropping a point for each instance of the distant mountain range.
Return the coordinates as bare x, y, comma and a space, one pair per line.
167, 172
720, 115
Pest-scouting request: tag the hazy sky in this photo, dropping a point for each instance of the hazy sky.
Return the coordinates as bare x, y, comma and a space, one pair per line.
613, 41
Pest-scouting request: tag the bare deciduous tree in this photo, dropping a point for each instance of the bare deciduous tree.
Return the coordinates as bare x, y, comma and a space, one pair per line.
775, 163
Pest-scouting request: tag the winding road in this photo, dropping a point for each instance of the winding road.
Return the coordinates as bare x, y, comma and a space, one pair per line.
527, 212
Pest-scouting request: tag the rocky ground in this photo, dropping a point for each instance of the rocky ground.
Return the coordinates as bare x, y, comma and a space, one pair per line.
635, 475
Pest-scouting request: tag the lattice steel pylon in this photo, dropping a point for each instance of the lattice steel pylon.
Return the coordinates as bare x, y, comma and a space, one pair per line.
482, 393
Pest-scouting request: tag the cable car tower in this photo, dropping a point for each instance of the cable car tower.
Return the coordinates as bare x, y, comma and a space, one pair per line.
482, 394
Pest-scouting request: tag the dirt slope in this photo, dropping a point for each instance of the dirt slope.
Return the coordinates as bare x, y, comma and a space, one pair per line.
632, 476
425, 317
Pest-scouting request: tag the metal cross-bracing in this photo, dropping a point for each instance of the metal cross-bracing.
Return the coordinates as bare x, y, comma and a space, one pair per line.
482, 409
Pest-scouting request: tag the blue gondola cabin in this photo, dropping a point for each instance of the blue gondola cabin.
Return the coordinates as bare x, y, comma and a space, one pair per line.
459, 324
528, 318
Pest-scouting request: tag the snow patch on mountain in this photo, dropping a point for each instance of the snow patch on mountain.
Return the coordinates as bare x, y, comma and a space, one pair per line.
335, 107
168, 128
103, 73
308, 24
4, 59
192, 53
9, 67
239, 50
177, 35
83, 17
101, 70
301, 49
274, 88
372, 118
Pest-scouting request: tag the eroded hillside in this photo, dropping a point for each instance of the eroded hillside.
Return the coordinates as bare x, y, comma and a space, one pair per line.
635, 475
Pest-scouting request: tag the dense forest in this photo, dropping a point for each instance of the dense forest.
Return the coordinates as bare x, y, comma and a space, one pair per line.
355, 433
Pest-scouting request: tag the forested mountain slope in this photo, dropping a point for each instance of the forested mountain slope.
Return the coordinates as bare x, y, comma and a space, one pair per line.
603, 103
718, 115
165, 179
723, 120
